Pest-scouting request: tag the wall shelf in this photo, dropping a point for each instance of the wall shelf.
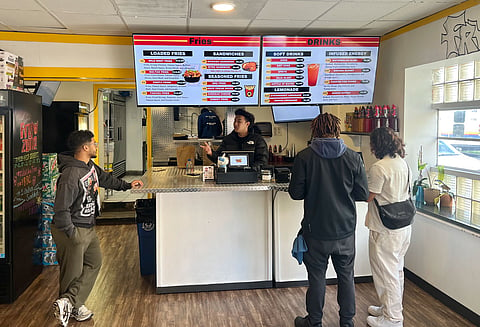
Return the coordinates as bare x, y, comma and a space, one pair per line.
355, 133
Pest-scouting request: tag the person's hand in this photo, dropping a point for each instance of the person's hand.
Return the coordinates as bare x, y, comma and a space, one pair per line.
205, 146
136, 184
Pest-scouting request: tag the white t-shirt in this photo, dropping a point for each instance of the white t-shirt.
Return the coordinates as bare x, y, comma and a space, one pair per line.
388, 178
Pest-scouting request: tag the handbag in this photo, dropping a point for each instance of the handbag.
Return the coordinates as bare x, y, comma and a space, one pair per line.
398, 214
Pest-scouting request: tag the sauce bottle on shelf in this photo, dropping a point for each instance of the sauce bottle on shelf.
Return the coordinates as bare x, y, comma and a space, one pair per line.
376, 116
356, 116
367, 122
383, 116
361, 119
270, 154
393, 119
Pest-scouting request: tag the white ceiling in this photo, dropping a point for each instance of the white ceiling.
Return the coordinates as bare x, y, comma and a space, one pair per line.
292, 17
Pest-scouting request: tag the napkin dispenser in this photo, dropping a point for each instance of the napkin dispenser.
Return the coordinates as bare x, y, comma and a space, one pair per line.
282, 175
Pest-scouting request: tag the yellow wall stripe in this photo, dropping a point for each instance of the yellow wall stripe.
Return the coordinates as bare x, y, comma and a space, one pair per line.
427, 20
66, 38
78, 74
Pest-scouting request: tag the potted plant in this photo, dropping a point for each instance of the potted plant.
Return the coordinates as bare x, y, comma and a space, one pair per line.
421, 183
446, 197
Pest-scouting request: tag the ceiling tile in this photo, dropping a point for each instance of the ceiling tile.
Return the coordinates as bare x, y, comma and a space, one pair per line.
91, 22
327, 24
216, 23
21, 4
295, 10
280, 23
415, 10
99, 7
361, 11
31, 18
153, 8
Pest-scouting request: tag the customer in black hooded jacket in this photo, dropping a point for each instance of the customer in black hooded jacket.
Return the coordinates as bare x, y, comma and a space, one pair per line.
243, 138
329, 177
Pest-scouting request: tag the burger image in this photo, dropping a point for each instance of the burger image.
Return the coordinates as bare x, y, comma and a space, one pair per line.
250, 66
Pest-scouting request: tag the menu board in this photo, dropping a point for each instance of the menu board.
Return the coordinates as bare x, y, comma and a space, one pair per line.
186, 70
320, 70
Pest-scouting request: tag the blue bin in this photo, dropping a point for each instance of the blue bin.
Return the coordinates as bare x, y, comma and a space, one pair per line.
145, 218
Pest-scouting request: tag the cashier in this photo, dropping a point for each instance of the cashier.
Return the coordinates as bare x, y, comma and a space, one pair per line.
243, 138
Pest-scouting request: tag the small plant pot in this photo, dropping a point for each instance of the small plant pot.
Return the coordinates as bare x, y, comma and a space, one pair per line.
446, 200
429, 195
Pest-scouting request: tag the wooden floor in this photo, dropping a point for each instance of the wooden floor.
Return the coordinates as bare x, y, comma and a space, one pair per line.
122, 298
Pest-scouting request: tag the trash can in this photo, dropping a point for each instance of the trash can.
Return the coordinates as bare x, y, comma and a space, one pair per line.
145, 219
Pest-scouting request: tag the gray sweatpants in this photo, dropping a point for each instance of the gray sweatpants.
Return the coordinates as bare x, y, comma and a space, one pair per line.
80, 259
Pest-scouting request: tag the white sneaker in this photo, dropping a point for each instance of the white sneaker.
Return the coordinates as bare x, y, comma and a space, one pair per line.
82, 313
62, 309
375, 311
381, 321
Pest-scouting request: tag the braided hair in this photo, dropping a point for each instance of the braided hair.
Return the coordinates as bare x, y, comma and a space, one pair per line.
326, 125
384, 141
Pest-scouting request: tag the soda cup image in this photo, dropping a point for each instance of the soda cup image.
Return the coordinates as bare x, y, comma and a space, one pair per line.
313, 74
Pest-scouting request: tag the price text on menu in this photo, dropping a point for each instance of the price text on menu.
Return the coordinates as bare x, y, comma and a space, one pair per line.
318, 70
186, 70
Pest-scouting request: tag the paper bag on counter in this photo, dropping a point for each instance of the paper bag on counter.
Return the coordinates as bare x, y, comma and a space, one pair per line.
185, 152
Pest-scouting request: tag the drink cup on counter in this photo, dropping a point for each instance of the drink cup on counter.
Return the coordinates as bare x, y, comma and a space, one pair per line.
313, 74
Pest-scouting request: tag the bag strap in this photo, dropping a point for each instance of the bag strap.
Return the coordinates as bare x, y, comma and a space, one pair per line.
408, 183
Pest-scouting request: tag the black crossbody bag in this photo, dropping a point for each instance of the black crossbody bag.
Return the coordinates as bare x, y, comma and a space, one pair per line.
398, 214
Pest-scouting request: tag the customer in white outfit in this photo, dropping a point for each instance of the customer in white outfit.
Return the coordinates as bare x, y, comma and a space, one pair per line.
388, 180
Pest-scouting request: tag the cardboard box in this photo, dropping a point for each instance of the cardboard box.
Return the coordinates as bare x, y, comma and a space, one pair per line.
11, 71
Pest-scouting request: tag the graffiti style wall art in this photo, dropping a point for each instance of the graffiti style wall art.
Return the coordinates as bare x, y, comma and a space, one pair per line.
460, 35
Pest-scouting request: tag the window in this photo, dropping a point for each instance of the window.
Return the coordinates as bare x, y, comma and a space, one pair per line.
456, 97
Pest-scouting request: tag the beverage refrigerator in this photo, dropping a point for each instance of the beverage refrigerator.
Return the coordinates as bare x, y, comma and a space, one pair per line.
20, 190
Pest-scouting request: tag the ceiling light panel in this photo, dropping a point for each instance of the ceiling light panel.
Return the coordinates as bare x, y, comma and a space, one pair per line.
153, 8
244, 9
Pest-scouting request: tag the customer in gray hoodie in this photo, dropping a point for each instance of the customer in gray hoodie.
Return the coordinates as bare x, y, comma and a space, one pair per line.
77, 204
329, 177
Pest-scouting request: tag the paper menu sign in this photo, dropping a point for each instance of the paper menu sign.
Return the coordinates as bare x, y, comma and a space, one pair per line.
176, 70
318, 70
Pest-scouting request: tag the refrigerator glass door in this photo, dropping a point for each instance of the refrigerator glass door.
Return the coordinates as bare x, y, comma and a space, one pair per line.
2, 189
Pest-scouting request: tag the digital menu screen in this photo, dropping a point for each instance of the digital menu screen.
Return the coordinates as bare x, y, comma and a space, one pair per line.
318, 70
189, 70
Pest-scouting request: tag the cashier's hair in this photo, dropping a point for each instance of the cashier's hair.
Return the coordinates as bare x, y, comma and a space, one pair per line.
384, 141
78, 138
248, 117
325, 125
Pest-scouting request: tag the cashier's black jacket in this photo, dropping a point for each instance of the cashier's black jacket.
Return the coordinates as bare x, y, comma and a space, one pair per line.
251, 142
329, 177
77, 200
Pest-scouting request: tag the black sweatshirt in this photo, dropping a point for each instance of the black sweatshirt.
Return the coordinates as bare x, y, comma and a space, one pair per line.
251, 142
77, 200
329, 177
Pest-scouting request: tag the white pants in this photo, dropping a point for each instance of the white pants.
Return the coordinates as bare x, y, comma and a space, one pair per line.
387, 251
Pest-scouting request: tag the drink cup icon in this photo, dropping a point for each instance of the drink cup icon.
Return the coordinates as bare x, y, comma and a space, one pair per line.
313, 74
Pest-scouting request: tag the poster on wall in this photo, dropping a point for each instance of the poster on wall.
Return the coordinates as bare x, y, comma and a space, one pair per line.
189, 70
318, 70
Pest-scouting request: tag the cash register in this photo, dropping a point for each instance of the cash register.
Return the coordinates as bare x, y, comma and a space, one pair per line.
238, 170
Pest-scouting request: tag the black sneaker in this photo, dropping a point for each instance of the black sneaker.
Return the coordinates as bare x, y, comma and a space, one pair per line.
302, 322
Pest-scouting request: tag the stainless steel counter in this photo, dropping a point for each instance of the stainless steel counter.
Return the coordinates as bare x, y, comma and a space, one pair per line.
173, 179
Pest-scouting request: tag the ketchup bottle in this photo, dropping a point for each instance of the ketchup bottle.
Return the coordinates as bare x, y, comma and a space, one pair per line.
393, 119
383, 116
376, 117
